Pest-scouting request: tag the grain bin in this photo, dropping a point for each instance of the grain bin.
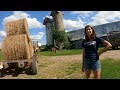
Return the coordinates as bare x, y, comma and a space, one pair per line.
59, 26
58, 19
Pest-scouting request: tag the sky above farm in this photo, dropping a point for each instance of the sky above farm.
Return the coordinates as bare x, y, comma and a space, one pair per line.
73, 20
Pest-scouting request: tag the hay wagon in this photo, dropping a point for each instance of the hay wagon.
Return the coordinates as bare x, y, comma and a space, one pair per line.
19, 52
28, 65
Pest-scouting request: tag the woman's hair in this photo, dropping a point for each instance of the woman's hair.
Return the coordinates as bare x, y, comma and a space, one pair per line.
93, 33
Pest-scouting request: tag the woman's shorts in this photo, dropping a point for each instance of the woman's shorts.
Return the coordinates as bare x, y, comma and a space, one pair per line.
92, 64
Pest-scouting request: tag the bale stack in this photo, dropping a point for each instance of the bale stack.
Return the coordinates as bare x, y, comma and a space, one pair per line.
30, 48
17, 27
17, 44
16, 47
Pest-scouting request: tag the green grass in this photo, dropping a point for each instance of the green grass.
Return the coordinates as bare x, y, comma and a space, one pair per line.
72, 68
64, 52
100, 48
61, 52
58, 69
110, 69
1, 56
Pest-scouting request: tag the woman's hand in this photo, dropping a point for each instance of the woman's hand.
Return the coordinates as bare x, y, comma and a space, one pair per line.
107, 46
82, 68
99, 53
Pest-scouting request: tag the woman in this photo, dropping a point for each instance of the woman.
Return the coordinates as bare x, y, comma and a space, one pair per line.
90, 52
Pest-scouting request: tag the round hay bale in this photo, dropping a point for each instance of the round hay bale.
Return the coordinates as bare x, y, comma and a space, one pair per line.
17, 27
15, 47
31, 48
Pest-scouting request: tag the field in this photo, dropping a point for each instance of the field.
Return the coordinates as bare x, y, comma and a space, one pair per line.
67, 65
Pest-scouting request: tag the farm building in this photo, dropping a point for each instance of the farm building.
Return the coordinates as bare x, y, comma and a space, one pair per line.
101, 31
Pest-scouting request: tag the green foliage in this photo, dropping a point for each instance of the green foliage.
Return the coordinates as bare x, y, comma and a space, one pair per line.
53, 32
61, 37
66, 42
42, 46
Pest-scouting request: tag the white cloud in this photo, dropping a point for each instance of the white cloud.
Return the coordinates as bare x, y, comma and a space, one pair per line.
73, 25
48, 17
39, 36
8, 19
32, 22
103, 17
39, 44
107, 14
66, 30
82, 13
35, 37
2, 33
98, 22
20, 14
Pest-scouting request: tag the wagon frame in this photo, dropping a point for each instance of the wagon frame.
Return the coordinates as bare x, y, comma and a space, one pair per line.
114, 38
30, 65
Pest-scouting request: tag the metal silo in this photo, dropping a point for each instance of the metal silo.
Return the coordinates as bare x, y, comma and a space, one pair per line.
59, 25
49, 34
58, 20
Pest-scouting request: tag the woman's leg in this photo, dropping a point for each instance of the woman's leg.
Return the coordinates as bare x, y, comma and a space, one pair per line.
87, 73
96, 74
87, 68
96, 69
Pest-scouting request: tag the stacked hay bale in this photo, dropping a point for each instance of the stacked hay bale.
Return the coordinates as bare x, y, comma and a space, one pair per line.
30, 48
17, 44
17, 27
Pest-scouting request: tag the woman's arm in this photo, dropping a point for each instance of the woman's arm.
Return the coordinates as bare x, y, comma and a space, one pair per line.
107, 46
83, 56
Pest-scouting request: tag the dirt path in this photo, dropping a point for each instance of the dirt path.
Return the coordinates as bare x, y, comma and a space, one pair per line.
109, 54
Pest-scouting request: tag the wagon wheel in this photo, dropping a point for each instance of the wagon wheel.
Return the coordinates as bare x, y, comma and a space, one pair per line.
1, 73
34, 67
113, 47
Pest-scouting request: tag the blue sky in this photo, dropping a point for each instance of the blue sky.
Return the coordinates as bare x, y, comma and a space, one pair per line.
73, 20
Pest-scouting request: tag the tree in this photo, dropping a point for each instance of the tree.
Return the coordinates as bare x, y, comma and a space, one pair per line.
61, 37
